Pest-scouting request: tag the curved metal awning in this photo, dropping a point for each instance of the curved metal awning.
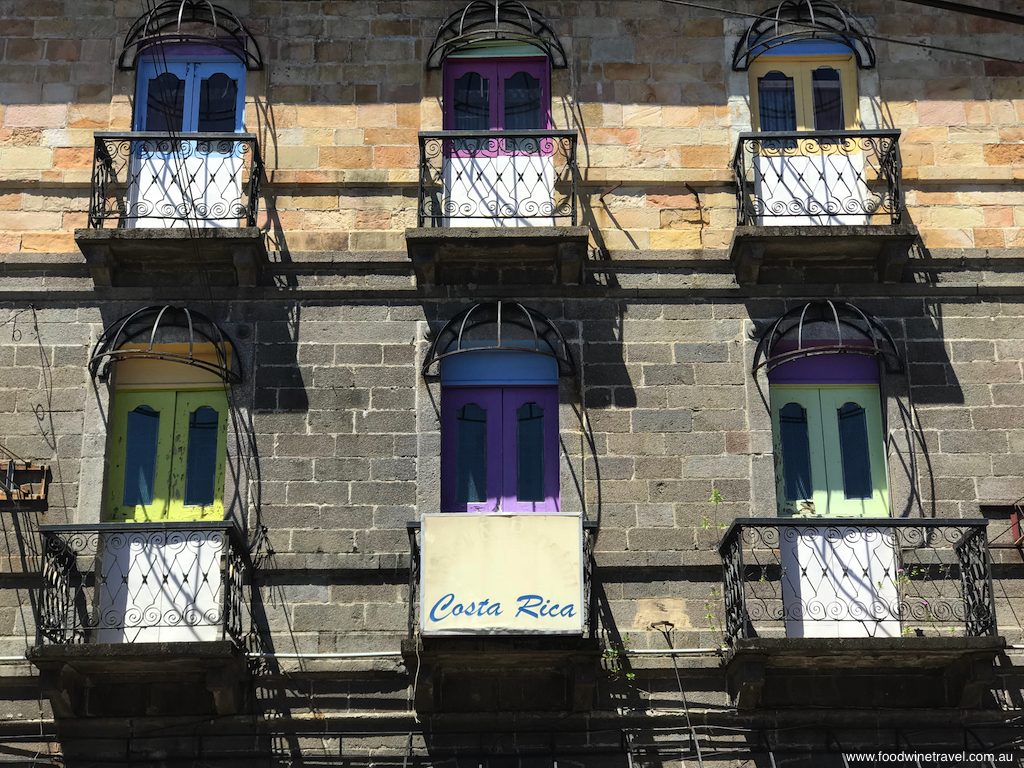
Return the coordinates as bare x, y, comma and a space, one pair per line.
825, 327
196, 22
158, 333
505, 326
484, 21
800, 20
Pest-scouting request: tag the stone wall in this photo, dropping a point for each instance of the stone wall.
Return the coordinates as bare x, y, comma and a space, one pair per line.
649, 88
344, 428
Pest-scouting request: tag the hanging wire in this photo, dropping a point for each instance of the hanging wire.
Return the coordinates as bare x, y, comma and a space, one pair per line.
882, 38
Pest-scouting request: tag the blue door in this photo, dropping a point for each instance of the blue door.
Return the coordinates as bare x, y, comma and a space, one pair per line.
180, 178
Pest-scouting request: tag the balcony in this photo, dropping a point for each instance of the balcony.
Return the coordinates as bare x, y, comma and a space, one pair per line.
143, 617
165, 209
501, 612
820, 207
497, 207
901, 612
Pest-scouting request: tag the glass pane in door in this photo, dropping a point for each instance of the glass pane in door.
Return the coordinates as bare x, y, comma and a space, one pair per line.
523, 109
854, 450
201, 463
796, 452
218, 104
141, 443
165, 103
471, 110
827, 91
776, 100
471, 455
530, 450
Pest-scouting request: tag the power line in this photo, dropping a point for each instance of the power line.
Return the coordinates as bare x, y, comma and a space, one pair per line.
882, 38
971, 10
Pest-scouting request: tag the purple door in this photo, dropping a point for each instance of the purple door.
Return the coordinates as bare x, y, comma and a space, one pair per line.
499, 449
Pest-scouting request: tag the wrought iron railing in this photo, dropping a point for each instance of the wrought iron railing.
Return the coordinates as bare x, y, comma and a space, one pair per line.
143, 582
589, 605
819, 177
798, 577
153, 179
497, 178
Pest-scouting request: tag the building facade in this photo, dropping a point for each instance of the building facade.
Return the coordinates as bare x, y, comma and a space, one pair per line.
451, 383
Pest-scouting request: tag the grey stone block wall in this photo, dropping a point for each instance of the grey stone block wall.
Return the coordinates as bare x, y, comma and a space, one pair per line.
346, 438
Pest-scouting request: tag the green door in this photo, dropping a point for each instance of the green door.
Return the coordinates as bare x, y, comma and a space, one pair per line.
829, 451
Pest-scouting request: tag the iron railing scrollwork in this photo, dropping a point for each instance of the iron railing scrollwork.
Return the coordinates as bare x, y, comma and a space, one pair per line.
153, 179
144, 582
976, 583
497, 178
819, 177
865, 577
590, 529
413, 529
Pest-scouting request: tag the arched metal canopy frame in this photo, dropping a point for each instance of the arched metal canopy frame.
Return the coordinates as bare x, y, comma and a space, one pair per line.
797, 20
856, 333
162, 25
146, 325
452, 339
482, 21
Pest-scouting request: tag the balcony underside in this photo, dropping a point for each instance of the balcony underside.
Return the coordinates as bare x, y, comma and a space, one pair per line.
111, 680
498, 255
154, 257
821, 254
504, 674
862, 672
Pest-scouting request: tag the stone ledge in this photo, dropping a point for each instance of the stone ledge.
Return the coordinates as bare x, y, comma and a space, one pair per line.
908, 672
161, 653
842, 253
148, 257
843, 651
197, 677
551, 672
498, 255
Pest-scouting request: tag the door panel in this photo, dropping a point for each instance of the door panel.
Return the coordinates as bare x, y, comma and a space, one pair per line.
138, 484
806, 398
840, 581
157, 586
470, 449
835, 407
198, 454
530, 415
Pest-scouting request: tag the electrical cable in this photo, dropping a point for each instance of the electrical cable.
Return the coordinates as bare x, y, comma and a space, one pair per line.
970, 10
881, 38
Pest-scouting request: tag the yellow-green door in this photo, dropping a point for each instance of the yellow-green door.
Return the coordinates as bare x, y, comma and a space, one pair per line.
167, 456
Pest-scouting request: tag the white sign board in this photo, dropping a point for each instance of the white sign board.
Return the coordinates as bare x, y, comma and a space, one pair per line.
501, 574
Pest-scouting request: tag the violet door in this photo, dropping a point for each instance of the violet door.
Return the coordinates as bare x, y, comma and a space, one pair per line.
498, 181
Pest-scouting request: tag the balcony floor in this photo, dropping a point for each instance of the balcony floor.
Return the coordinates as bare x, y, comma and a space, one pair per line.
899, 671
821, 254
498, 255
100, 679
551, 672
148, 257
